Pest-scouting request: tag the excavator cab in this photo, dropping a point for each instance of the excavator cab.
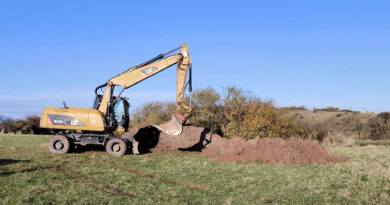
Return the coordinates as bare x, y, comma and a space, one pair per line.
120, 111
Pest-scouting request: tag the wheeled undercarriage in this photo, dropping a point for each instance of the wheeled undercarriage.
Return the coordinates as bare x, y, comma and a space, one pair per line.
64, 143
114, 144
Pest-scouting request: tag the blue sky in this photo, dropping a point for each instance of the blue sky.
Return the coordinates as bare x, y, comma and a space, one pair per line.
312, 53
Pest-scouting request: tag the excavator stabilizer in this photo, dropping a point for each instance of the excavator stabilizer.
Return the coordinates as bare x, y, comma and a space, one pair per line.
171, 127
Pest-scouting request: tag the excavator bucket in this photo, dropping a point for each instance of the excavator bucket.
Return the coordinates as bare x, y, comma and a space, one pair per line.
172, 127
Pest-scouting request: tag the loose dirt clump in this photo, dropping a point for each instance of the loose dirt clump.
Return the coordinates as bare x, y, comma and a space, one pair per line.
237, 149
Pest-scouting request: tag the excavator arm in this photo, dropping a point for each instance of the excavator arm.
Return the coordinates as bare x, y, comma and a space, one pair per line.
145, 70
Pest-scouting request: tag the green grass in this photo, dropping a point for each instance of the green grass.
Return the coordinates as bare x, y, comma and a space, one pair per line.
30, 174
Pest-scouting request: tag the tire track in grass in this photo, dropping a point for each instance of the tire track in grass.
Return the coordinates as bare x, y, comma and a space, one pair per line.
7, 173
141, 173
36, 167
73, 175
96, 184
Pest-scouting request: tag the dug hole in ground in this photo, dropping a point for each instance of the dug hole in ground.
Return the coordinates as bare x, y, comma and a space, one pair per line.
237, 149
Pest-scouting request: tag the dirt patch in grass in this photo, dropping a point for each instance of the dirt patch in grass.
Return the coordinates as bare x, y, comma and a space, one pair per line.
237, 149
270, 151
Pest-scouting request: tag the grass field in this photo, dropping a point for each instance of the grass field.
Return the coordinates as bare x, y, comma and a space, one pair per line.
30, 174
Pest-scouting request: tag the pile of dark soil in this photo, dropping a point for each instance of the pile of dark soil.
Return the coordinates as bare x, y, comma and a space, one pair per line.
213, 146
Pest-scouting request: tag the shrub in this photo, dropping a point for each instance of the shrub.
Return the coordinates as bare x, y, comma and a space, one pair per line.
250, 117
349, 111
379, 127
326, 133
302, 107
264, 120
332, 109
235, 107
327, 109
153, 113
237, 113
206, 109
30, 125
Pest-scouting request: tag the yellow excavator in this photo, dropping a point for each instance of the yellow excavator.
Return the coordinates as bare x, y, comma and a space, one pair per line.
106, 123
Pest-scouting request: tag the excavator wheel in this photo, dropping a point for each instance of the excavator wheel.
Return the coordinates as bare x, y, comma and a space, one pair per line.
59, 144
116, 146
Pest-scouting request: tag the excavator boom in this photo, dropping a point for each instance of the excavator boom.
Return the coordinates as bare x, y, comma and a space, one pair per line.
145, 70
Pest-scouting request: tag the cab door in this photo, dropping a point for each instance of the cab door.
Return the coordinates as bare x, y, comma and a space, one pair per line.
121, 113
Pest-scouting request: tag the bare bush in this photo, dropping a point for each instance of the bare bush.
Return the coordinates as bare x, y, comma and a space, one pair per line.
3, 118
379, 127
238, 113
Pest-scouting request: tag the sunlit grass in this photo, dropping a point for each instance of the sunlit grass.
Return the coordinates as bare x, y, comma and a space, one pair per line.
30, 174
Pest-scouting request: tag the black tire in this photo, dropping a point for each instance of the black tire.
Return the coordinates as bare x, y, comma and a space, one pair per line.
116, 146
59, 144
